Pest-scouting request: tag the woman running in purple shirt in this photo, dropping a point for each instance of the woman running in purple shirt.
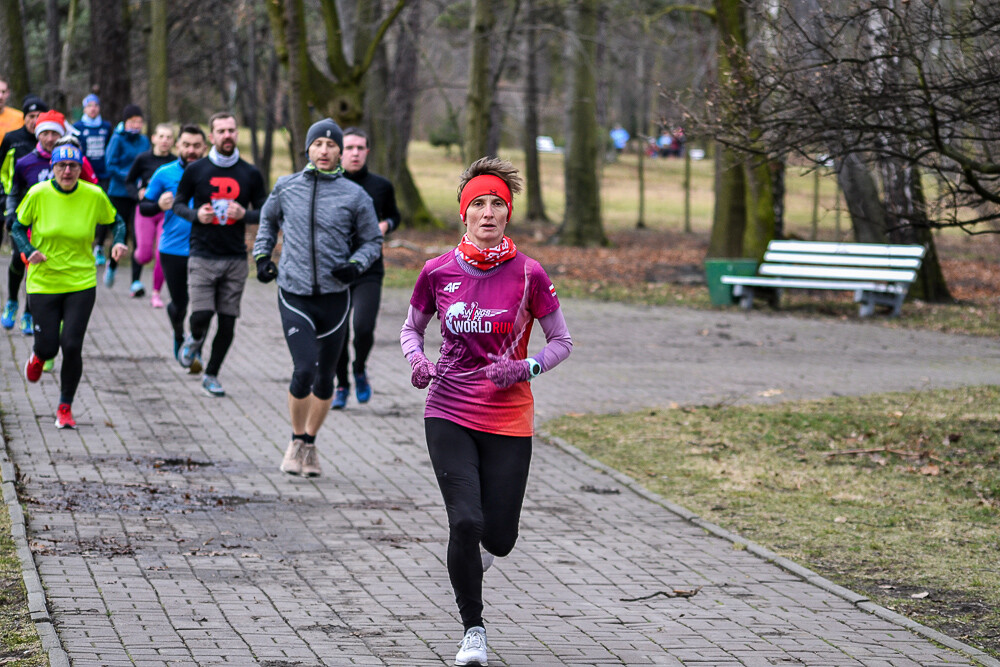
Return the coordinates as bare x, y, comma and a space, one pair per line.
479, 415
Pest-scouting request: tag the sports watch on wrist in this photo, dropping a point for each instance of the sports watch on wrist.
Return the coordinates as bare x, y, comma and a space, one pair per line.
534, 367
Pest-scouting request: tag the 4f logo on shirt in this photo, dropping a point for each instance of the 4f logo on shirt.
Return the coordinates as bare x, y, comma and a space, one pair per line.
452, 287
225, 190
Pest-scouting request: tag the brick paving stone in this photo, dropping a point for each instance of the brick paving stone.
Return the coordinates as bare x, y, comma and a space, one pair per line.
165, 535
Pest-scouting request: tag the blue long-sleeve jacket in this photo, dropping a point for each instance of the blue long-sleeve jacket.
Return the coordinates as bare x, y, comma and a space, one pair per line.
123, 149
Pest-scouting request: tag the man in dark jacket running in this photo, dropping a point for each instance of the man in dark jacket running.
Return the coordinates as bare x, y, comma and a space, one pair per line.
366, 291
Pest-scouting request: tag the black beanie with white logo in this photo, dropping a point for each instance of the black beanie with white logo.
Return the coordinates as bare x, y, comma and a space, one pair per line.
325, 128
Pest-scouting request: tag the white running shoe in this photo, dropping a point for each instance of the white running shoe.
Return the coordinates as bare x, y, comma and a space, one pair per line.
473, 648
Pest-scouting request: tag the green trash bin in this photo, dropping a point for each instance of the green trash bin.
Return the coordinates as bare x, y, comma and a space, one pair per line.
715, 268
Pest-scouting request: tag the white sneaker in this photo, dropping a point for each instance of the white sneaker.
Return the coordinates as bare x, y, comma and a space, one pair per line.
487, 557
473, 648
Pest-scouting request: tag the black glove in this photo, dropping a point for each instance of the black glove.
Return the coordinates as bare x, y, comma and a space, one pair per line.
266, 270
347, 272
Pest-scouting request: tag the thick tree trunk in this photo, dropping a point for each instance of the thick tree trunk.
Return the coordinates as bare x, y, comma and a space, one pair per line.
109, 56
12, 52
532, 173
480, 95
157, 62
730, 216
582, 226
340, 96
390, 103
863, 202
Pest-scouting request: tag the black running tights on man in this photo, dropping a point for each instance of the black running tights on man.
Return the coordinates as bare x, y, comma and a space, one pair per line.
200, 321
366, 296
482, 477
61, 323
176, 276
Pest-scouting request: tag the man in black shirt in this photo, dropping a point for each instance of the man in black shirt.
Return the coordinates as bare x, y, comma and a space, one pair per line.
221, 189
366, 291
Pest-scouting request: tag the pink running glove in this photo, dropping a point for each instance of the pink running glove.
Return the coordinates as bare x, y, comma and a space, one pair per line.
423, 370
507, 372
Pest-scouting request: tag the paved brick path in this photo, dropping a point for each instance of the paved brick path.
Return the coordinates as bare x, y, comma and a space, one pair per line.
164, 533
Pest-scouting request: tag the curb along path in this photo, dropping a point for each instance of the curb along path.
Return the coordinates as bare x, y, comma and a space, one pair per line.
164, 533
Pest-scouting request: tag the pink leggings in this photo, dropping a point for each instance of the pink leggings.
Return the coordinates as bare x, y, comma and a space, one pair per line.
147, 238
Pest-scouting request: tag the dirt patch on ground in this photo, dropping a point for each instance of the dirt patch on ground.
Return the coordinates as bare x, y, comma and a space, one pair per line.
971, 265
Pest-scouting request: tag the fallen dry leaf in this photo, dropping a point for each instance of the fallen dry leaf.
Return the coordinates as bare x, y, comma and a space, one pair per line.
931, 469
920, 596
767, 393
840, 519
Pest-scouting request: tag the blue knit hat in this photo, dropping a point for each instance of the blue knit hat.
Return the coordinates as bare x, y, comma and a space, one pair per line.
91, 99
66, 153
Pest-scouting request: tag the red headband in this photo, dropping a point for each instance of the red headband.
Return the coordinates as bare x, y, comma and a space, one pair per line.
486, 184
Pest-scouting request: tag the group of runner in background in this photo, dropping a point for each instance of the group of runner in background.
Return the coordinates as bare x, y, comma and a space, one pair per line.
195, 241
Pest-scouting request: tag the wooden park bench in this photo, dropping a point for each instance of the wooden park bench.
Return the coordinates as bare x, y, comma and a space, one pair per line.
878, 274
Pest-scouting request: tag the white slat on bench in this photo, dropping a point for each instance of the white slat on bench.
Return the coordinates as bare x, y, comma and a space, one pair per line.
844, 260
805, 283
836, 272
880, 249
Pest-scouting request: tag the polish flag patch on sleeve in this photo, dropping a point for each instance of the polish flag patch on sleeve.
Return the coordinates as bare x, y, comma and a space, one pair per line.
552, 289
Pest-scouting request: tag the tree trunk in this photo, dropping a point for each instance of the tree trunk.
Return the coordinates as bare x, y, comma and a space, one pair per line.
109, 56
288, 26
906, 210
391, 103
730, 216
51, 93
340, 95
157, 62
70, 33
532, 173
480, 96
863, 203
582, 226
12, 52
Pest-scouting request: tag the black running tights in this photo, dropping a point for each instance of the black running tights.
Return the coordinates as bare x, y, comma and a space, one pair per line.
15, 275
200, 321
72, 311
175, 274
314, 330
365, 299
482, 477
125, 206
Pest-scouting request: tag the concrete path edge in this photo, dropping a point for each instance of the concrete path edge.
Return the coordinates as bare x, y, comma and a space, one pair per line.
37, 606
804, 573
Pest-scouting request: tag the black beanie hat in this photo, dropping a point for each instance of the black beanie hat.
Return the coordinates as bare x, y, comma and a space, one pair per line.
325, 128
132, 110
33, 103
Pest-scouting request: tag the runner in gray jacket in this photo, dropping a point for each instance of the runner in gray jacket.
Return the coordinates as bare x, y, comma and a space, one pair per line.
330, 237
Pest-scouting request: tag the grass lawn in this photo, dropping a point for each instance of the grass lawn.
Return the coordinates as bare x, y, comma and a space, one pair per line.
19, 643
895, 496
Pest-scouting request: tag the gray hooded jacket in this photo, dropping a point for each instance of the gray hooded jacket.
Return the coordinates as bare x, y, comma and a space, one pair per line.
327, 221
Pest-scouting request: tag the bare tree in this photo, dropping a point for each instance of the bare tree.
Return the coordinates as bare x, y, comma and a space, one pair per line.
12, 48
339, 94
109, 55
582, 225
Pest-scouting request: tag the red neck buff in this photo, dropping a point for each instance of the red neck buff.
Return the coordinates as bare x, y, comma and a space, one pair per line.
486, 184
486, 259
